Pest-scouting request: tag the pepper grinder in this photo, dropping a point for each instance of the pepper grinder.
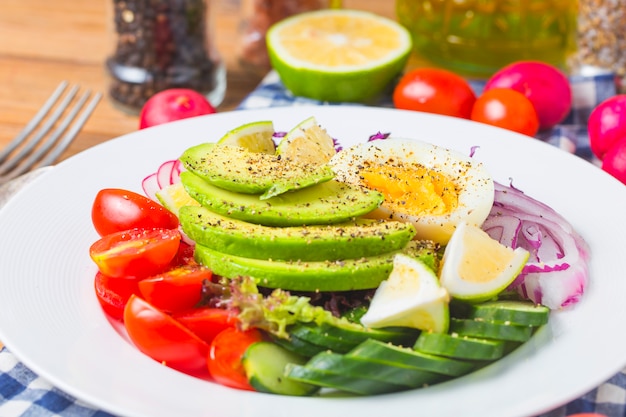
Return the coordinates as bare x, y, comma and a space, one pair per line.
162, 44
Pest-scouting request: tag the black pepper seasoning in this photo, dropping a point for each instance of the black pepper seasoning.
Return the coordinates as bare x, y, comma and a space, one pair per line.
162, 44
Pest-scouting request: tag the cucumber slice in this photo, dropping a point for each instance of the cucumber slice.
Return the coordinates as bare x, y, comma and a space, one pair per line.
460, 347
357, 333
264, 363
344, 383
362, 368
298, 346
490, 330
314, 334
509, 311
380, 352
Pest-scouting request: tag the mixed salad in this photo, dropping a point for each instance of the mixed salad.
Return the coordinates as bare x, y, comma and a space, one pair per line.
315, 278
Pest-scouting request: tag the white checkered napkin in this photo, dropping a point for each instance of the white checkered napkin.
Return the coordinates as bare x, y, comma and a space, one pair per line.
24, 394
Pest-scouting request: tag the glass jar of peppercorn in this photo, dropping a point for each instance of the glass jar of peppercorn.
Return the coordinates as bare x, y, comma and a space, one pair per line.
162, 44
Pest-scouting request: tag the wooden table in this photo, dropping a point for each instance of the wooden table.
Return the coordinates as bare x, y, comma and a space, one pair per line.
43, 42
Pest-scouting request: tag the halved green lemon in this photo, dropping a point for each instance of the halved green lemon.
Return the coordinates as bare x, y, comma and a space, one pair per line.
475, 267
254, 137
338, 55
307, 144
174, 196
410, 297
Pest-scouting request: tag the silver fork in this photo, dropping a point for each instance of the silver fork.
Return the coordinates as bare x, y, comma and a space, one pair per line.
29, 151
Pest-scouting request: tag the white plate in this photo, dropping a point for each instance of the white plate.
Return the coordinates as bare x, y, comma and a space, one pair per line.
50, 318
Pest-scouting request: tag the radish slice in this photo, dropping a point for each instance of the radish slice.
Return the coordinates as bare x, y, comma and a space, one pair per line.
557, 272
164, 173
150, 186
178, 168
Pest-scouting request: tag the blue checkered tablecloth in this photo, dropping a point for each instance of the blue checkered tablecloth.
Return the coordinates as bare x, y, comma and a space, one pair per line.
25, 394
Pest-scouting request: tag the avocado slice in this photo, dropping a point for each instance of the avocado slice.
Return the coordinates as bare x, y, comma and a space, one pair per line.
355, 239
342, 275
326, 203
240, 170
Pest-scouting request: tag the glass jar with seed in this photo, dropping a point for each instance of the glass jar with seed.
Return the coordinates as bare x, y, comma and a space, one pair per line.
162, 44
602, 39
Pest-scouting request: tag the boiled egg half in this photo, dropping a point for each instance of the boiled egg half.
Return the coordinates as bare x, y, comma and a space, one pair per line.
432, 187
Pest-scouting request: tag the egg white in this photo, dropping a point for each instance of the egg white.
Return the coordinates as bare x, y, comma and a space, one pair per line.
474, 183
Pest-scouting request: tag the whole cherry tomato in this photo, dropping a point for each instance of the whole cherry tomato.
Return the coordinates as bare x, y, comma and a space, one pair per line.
434, 90
176, 289
207, 322
225, 355
138, 253
113, 293
115, 210
508, 109
162, 338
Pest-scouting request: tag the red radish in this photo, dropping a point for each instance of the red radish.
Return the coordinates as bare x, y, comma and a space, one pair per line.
165, 173
614, 161
607, 124
544, 85
173, 104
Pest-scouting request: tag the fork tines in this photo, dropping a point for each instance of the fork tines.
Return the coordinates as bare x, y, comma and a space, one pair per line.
32, 149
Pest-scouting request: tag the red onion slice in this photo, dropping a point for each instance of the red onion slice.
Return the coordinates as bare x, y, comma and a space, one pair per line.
557, 272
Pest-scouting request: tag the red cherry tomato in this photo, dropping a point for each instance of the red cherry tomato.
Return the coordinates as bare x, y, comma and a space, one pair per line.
206, 322
184, 255
138, 253
508, 109
115, 210
173, 104
113, 293
162, 338
225, 355
434, 90
176, 289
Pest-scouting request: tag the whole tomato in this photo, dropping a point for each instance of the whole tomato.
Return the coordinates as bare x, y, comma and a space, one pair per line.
116, 210
173, 104
508, 109
434, 90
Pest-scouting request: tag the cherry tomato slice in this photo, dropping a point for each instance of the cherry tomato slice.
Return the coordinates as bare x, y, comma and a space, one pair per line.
434, 90
225, 355
162, 338
206, 322
176, 289
136, 253
508, 109
113, 293
116, 210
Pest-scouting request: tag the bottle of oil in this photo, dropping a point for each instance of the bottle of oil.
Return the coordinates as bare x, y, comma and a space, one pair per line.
478, 37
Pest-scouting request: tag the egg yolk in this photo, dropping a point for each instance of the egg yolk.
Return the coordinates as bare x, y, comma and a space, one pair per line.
414, 190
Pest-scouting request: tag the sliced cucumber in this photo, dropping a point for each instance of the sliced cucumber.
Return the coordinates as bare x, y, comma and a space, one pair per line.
299, 346
316, 335
357, 333
509, 311
264, 363
490, 330
366, 369
387, 353
460, 347
339, 382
